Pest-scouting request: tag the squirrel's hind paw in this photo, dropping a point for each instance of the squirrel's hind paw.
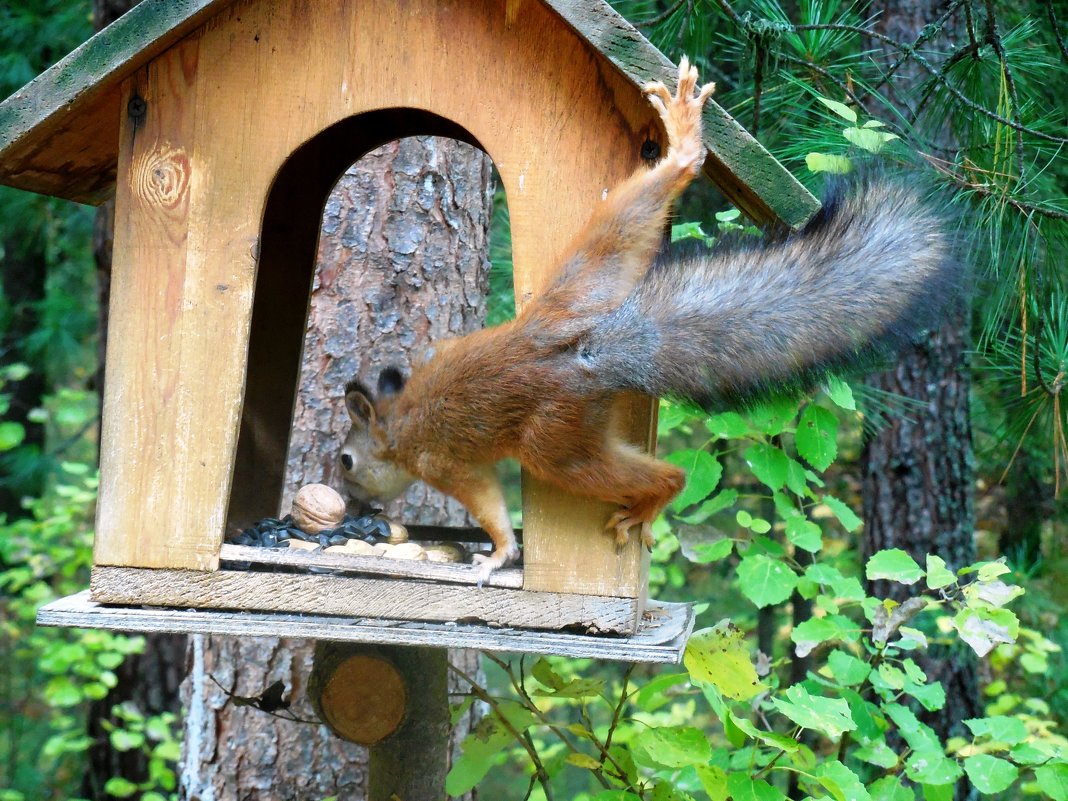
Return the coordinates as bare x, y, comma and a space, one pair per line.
487, 563
622, 521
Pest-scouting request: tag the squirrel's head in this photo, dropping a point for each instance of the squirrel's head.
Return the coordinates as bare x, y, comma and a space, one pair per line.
371, 476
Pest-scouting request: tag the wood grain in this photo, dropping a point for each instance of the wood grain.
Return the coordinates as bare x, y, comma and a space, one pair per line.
168, 372
361, 697
661, 636
361, 597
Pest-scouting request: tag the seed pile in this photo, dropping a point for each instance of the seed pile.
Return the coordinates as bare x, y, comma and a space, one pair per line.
274, 533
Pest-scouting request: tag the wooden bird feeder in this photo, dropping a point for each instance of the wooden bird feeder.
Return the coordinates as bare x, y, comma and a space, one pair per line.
220, 126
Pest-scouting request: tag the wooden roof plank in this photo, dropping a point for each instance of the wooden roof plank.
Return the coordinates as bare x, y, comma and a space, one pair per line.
59, 132
74, 102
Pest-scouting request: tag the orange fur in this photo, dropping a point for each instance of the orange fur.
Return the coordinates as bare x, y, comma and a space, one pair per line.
501, 393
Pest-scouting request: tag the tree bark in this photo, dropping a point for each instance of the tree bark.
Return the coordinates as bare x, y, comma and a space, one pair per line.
918, 471
402, 261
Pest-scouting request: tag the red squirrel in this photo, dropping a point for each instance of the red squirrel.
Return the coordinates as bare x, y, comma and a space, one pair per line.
714, 327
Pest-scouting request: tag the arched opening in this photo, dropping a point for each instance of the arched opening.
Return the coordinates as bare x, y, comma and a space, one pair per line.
293, 214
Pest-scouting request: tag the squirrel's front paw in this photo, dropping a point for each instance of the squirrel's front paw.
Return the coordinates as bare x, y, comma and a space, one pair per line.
681, 112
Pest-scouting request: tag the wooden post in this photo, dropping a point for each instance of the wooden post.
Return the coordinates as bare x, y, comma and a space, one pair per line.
394, 700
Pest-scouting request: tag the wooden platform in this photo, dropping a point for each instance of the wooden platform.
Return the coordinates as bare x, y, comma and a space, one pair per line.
661, 637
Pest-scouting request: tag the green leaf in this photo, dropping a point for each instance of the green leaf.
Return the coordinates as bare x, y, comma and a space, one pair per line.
835, 774
868, 139
768, 463
827, 715
713, 781
846, 668
706, 552
765, 581
744, 788
545, 674
938, 576
688, 230
652, 695
671, 747
11, 435
829, 163
703, 472
932, 766
720, 656
999, 728
932, 697
772, 416
810, 633
895, 565
891, 676
890, 788
919, 736
728, 425
715, 504
938, 792
120, 787
123, 740
817, 436
796, 479
990, 774
877, 752
62, 692
805, 534
486, 746
989, 571
841, 109
850, 522
1053, 781
840, 393
583, 761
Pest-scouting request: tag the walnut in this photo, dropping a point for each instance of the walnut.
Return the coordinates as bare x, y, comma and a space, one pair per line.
317, 507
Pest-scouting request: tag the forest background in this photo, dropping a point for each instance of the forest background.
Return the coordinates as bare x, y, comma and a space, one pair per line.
808, 524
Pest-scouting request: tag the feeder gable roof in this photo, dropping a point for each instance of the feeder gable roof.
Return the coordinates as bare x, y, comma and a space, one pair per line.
59, 133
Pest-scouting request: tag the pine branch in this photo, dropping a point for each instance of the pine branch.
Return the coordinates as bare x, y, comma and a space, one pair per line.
654, 21
1056, 30
936, 74
995, 41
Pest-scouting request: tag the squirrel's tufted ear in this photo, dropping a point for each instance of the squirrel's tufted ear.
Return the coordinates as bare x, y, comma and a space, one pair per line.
390, 382
358, 402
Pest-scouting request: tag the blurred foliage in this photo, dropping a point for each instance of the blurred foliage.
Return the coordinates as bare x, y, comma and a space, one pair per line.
836, 708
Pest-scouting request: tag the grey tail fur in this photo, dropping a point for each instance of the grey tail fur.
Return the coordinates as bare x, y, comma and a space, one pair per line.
720, 327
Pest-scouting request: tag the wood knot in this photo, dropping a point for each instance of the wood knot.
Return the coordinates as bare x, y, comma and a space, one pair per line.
161, 177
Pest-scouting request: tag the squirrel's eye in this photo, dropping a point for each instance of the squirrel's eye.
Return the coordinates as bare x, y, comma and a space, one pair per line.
346, 461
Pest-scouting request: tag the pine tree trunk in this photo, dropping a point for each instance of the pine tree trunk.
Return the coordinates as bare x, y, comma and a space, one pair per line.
918, 471
402, 260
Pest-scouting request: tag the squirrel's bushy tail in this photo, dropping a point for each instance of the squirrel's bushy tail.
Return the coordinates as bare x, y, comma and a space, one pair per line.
721, 326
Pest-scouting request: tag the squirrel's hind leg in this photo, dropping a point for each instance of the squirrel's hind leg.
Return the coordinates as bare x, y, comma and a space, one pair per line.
620, 474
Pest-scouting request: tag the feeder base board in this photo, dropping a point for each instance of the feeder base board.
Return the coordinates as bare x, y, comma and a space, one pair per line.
661, 636
352, 596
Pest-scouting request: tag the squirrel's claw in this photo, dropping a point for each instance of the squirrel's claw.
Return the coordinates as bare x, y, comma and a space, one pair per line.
623, 521
487, 563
